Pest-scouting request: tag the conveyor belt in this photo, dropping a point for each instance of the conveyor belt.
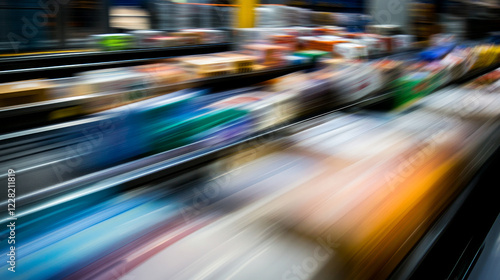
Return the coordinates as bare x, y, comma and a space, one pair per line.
35, 114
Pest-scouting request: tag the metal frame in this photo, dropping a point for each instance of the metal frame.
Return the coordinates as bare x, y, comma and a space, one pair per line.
62, 22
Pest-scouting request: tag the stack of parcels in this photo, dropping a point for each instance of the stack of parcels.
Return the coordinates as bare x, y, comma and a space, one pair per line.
167, 15
280, 14
201, 16
253, 35
302, 17
225, 16
183, 16
264, 17
293, 16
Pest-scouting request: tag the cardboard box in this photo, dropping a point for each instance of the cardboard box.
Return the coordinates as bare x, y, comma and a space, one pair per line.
351, 51
242, 63
205, 66
267, 55
29, 91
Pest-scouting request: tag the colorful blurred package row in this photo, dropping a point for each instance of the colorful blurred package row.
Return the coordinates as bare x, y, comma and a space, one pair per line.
135, 83
334, 39
219, 64
156, 39
446, 66
476, 100
243, 112
488, 82
410, 79
188, 119
184, 119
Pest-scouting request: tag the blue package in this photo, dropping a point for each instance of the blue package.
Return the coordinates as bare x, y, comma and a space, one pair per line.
436, 52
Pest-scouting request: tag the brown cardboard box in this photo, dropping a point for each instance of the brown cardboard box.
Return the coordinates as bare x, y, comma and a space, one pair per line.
242, 63
22, 92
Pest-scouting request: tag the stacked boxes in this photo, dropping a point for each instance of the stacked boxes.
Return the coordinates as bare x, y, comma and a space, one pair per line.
167, 12
325, 43
351, 50
206, 66
241, 63
267, 55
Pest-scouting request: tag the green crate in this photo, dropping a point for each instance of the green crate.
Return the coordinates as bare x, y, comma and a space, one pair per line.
183, 132
312, 55
114, 42
414, 86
